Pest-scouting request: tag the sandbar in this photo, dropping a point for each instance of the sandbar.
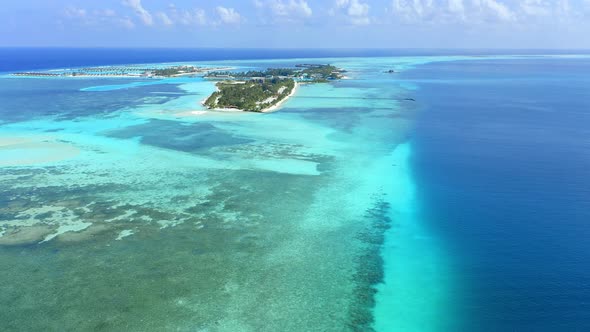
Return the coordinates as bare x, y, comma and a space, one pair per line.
24, 151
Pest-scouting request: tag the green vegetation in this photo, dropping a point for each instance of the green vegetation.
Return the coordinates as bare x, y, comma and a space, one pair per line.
304, 72
172, 71
252, 95
269, 73
322, 73
255, 91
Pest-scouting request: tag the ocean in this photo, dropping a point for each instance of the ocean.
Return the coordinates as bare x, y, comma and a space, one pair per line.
502, 156
451, 195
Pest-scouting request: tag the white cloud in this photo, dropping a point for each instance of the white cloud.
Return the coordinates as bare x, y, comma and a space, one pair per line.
358, 8
126, 22
105, 12
228, 15
553, 11
141, 12
418, 6
73, 12
164, 18
413, 10
176, 16
452, 11
498, 10
535, 8
293, 7
563, 8
283, 10
356, 11
98, 17
457, 9
199, 17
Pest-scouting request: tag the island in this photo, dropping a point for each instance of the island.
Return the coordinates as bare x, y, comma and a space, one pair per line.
126, 71
176, 71
264, 91
250, 91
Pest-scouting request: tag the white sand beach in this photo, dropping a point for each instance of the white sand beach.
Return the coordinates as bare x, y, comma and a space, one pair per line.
278, 105
270, 109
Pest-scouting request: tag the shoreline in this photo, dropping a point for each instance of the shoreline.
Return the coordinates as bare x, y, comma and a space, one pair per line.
278, 105
269, 109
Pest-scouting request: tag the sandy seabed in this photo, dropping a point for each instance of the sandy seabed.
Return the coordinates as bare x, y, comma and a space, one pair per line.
23, 151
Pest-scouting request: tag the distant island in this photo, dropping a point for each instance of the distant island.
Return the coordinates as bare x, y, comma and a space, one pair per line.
264, 91
132, 71
250, 91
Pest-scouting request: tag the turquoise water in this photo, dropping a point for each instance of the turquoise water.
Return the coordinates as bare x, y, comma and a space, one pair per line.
127, 206
157, 215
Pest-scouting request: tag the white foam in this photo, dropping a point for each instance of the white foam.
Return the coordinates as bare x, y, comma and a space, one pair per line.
124, 233
71, 227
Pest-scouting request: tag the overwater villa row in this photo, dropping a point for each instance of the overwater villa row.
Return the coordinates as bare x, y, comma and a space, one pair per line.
125, 71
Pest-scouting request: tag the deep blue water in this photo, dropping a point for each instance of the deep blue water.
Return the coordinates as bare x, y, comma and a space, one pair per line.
502, 160
18, 59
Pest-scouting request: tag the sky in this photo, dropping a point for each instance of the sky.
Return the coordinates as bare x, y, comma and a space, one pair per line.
447, 24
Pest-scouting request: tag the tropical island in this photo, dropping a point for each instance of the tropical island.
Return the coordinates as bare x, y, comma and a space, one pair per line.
125, 71
264, 91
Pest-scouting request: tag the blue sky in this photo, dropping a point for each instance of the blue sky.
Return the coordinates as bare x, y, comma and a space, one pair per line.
297, 23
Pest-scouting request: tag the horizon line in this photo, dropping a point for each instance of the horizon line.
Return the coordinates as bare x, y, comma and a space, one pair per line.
300, 48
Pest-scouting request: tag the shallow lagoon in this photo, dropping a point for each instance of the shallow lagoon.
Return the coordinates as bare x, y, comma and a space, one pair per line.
307, 219
220, 222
